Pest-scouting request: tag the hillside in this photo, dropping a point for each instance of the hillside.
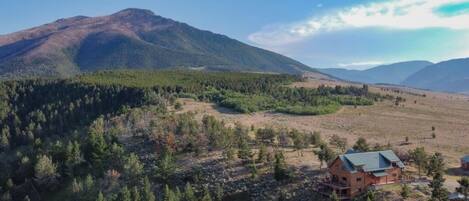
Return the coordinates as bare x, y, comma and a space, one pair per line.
450, 76
112, 130
132, 38
390, 74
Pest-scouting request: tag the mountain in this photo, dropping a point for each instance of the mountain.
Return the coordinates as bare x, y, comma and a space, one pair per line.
450, 76
131, 38
391, 74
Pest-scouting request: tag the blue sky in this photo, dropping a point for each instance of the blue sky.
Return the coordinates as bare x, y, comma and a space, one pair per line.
354, 34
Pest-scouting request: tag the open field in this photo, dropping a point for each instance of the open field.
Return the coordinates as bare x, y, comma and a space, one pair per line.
381, 123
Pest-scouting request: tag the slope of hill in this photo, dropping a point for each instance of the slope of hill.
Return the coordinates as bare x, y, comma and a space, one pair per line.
450, 76
391, 74
132, 38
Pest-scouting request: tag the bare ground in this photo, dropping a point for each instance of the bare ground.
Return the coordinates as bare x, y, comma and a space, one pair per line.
381, 123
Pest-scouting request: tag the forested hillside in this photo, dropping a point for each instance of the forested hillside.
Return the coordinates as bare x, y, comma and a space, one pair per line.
58, 140
129, 39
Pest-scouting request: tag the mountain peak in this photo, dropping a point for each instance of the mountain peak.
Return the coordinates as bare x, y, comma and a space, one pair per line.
134, 12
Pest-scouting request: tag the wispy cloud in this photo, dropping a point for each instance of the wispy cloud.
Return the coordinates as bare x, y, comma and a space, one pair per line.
394, 14
361, 64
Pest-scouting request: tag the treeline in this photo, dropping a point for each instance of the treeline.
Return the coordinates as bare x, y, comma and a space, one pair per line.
243, 92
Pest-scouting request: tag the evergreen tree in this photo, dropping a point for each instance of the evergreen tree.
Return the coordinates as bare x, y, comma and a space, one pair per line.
325, 154
166, 166
405, 191
100, 197
45, 168
219, 192
97, 145
315, 138
334, 196
435, 164
361, 145
370, 195
147, 194
189, 194
280, 167
206, 196
439, 193
73, 156
262, 155
420, 158
133, 168
464, 187
125, 194
339, 142
136, 194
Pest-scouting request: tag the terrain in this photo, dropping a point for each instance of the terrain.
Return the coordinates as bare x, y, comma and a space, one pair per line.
229, 136
449, 76
391, 74
129, 39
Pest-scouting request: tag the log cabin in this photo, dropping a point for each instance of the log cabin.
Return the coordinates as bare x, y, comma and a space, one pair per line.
352, 173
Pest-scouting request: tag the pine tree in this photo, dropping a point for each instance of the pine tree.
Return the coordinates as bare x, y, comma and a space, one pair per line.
45, 168
262, 155
97, 144
166, 166
420, 158
136, 194
100, 197
464, 187
439, 193
189, 194
334, 196
133, 168
405, 191
361, 145
125, 194
280, 167
207, 196
435, 164
73, 156
325, 154
147, 193
219, 192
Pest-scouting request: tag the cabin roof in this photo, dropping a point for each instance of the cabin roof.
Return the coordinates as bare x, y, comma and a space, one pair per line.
465, 159
376, 161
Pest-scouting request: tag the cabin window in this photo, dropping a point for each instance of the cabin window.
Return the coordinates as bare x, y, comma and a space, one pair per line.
359, 179
343, 178
359, 190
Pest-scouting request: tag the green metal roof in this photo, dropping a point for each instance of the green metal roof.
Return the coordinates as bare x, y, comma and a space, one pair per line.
370, 161
380, 173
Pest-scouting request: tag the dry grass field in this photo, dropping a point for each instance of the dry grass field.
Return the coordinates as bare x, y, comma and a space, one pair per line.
381, 123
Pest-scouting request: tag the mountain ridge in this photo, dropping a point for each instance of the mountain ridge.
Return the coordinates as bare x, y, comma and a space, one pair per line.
131, 38
393, 73
449, 76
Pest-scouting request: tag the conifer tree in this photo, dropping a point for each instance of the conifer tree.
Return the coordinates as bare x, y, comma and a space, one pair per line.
464, 187
189, 194
147, 193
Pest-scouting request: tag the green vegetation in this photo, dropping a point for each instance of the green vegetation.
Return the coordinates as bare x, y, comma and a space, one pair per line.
57, 135
242, 92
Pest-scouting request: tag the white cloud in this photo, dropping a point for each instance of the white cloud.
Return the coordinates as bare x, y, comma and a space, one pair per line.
394, 14
360, 65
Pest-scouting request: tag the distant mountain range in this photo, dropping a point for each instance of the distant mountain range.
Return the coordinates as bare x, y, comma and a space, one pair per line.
392, 74
134, 39
449, 76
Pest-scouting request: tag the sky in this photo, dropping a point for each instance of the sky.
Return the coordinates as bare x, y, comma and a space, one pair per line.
352, 34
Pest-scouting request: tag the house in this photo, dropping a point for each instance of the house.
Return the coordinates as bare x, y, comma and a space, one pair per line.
351, 174
465, 162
